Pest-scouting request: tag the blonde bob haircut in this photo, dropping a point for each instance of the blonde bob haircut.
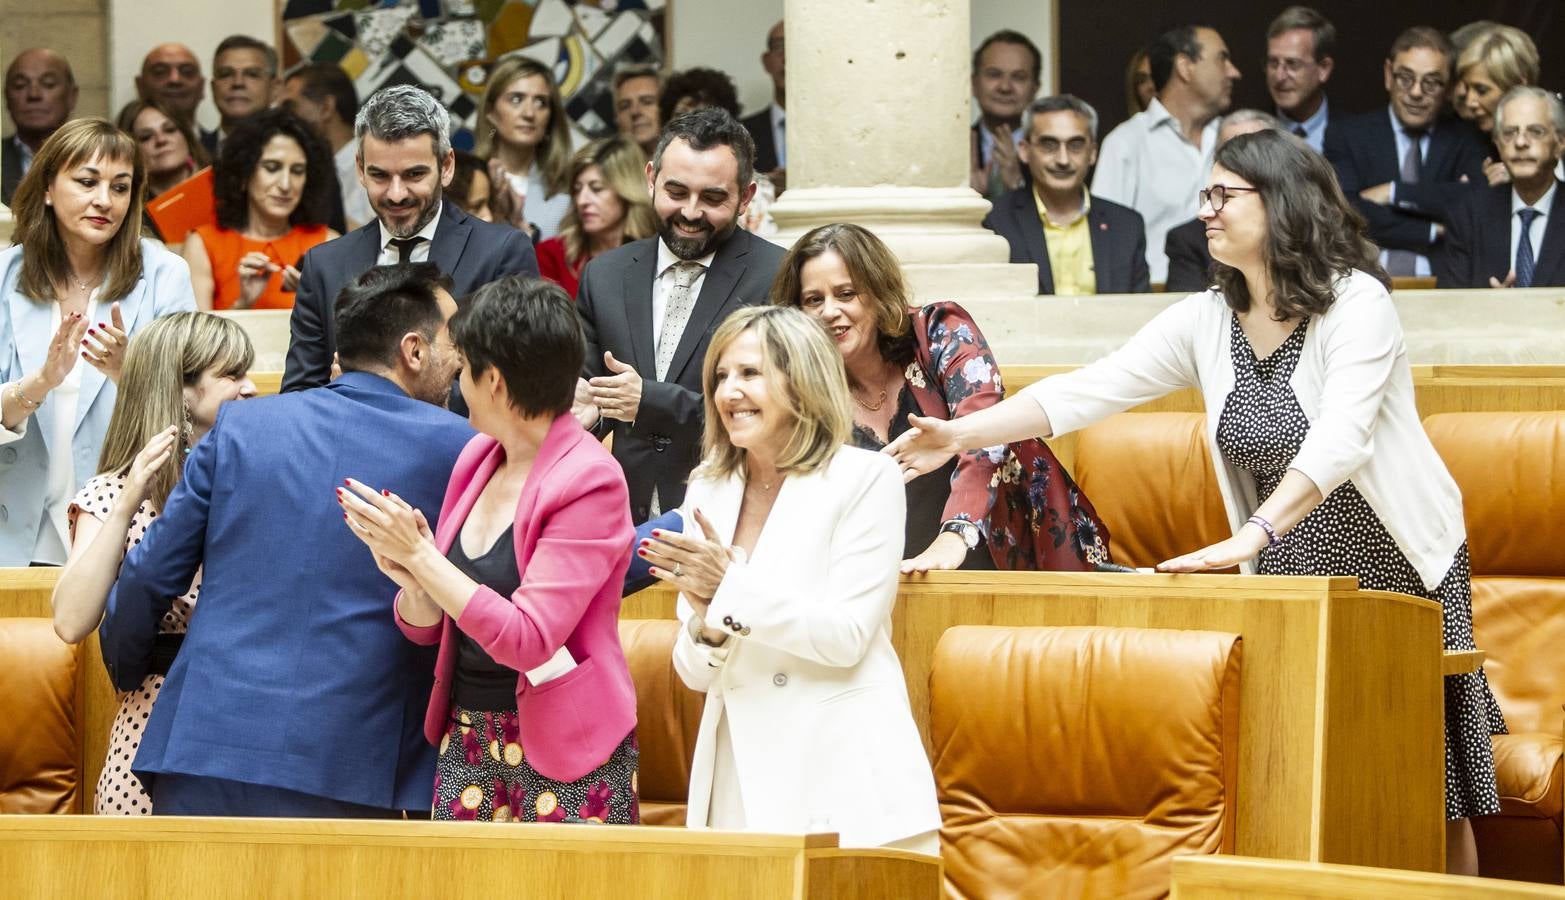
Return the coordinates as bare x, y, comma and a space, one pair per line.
1506, 53
624, 168
165, 357
876, 274
804, 373
554, 151
44, 263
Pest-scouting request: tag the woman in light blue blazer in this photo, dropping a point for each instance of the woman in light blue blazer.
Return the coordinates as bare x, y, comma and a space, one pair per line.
78, 281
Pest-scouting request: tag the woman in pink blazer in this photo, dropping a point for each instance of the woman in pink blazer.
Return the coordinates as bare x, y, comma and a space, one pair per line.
533, 708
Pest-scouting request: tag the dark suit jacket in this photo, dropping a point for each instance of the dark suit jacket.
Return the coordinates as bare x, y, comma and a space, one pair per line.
1119, 242
296, 654
469, 250
978, 136
760, 128
1478, 241
10, 168
664, 443
209, 141
1189, 260
1363, 149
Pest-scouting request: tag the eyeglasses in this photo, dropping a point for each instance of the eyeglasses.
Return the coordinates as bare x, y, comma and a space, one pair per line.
1217, 195
1429, 84
1289, 65
1510, 133
1049, 146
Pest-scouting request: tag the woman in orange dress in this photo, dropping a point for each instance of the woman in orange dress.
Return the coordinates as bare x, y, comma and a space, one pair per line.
273, 185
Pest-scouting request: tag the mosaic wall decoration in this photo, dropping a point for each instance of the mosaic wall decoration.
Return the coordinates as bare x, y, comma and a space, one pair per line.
449, 47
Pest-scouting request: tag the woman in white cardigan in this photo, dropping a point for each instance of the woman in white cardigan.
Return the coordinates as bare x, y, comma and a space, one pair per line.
787, 571
1323, 464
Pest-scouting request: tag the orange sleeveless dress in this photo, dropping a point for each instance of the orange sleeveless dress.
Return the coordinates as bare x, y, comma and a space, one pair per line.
225, 248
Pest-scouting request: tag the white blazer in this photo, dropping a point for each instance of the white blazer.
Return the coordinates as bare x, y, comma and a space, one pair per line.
817, 707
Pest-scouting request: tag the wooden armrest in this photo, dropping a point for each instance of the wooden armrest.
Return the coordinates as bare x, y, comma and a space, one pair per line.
1461, 662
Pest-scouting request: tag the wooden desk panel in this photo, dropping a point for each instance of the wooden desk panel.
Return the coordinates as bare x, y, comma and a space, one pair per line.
1237, 878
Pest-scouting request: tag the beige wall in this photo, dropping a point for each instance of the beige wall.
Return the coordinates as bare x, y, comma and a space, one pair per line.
136, 26
75, 28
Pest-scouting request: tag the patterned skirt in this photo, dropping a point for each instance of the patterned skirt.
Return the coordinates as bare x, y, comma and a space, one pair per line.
482, 775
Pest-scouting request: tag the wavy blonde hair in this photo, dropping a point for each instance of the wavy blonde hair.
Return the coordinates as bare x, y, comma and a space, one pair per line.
166, 356
805, 375
1508, 54
624, 167
554, 151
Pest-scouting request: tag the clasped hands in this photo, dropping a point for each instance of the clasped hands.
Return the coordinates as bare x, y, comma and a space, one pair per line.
102, 346
616, 396
394, 532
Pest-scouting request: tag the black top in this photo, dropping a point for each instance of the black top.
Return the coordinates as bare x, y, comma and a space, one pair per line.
927, 494
481, 683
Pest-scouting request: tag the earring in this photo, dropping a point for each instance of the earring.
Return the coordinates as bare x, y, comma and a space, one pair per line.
187, 429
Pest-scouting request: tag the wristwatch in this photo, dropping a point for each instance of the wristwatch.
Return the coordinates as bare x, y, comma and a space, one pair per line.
966, 529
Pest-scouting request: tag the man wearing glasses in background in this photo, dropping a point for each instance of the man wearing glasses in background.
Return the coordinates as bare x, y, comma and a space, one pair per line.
1299, 46
244, 80
1404, 168
1082, 244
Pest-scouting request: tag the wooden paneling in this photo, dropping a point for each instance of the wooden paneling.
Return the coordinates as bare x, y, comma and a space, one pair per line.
214, 859
1237, 878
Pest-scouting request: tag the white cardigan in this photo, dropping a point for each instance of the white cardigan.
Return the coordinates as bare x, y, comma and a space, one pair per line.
817, 706
1352, 381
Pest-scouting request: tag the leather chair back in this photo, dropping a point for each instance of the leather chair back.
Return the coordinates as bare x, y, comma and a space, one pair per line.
1151, 479
1079, 761
668, 717
40, 704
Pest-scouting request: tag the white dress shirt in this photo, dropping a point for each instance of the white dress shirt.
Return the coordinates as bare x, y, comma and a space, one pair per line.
1535, 236
1148, 165
663, 282
355, 202
389, 255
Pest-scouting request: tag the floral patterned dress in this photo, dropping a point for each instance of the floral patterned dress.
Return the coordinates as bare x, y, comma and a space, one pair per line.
118, 791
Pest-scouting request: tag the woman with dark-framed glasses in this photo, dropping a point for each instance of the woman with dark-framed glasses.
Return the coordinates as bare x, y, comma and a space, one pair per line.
1323, 464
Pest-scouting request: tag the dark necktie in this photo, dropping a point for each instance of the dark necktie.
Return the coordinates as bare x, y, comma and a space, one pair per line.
1405, 262
405, 248
1300, 133
1525, 264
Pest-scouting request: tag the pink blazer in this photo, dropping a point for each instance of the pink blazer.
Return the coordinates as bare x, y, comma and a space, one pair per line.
573, 537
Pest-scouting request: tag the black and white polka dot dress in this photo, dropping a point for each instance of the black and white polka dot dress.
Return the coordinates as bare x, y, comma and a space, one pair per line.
1260, 430
118, 791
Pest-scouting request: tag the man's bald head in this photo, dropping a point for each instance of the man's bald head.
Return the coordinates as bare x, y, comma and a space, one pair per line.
40, 93
171, 73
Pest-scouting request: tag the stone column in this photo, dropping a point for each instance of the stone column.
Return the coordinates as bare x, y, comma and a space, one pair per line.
878, 134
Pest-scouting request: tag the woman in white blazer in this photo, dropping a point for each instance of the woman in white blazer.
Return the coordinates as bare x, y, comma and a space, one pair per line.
787, 571
1324, 466
77, 283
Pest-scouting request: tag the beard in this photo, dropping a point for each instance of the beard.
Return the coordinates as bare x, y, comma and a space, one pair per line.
688, 248
426, 213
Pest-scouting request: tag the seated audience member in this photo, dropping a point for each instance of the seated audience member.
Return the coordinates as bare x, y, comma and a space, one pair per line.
1081, 244
1459, 39
1138, 83
519, 582
179, 369
809, 616
1189, 260
1156, 162
40, 95
526, 137
1299, 47
610, 206
1494, 61
171, 77
295, 652
77, 283
168, 143
767, 126
322, 94
405, 152
244, 79
273, 187
471, 188
1006, 69
1513, 234
1403, 167
637, 89
983, 510
1299, 355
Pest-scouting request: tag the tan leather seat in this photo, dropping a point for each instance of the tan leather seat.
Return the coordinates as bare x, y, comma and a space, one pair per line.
1511, 469
1151, 479
40, 704
668, 717
1079, 761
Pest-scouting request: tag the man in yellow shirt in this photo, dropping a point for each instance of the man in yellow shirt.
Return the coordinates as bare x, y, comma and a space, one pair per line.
1080, 243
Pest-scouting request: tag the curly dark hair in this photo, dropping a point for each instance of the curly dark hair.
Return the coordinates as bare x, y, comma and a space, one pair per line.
1313, 236
708, 87
241, 153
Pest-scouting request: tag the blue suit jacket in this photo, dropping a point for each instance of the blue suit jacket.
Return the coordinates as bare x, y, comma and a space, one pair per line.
164, 287
293, 674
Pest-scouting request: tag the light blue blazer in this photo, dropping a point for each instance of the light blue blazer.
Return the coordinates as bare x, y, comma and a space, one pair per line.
164, 287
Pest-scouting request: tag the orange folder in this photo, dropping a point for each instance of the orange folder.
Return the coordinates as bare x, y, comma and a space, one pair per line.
184, 207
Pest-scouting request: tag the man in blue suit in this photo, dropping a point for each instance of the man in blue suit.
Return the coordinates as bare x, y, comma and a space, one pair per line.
405, 161
294, 694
